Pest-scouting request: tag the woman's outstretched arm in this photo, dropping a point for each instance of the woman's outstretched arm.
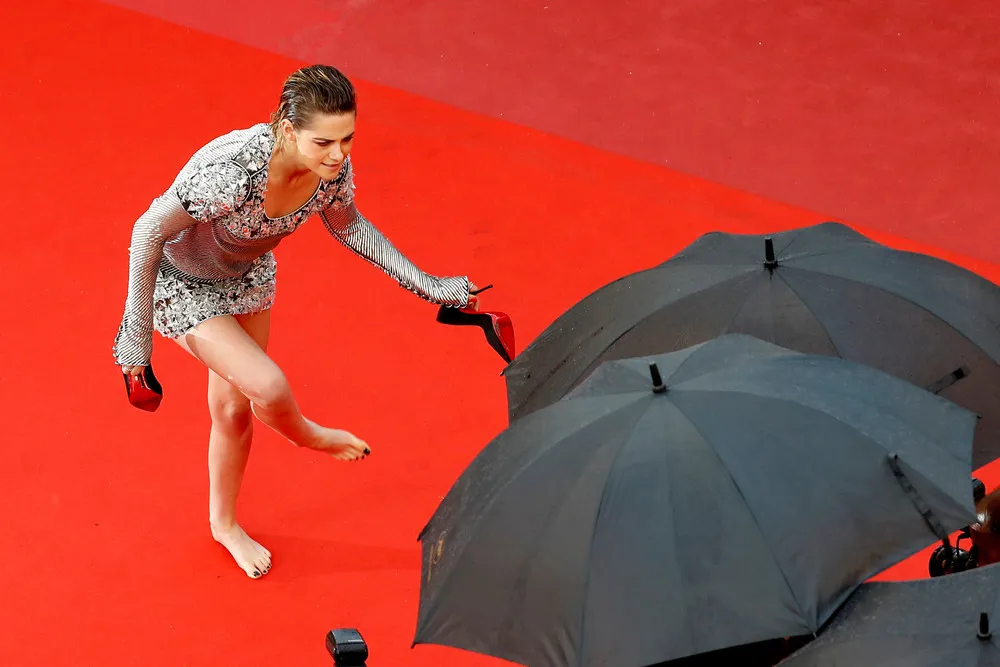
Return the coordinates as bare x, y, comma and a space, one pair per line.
352, 229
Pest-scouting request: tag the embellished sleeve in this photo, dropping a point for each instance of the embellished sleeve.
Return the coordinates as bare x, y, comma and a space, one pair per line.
347, 225
209, 192
214, 190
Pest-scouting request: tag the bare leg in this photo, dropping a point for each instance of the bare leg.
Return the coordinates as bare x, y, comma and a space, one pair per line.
228, 453
229, 450
223, 345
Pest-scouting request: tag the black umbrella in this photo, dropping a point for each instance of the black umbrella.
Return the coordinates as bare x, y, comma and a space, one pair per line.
943, 622
823, 289
738, 496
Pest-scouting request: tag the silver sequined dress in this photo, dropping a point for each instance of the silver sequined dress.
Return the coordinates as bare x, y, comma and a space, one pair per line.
204, 247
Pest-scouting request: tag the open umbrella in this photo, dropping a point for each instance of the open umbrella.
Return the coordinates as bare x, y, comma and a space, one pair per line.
949, 621
824, 289
735, 492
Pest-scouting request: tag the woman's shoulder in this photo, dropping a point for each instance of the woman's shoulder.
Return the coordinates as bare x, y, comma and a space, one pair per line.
249, 148
218, 177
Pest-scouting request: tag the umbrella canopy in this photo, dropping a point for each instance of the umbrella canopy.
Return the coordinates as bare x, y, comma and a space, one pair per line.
823, 289
738, 496
951, 621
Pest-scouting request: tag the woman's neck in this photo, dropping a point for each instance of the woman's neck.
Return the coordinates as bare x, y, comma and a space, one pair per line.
284, 165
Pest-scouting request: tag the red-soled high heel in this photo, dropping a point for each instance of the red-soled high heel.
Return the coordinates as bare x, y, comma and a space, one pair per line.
144, 391
497, 326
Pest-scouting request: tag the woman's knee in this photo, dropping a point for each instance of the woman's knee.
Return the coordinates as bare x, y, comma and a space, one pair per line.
230, 410
270, 391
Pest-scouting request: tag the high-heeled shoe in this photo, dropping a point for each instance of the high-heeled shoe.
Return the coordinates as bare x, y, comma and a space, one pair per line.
144, 391
496, 326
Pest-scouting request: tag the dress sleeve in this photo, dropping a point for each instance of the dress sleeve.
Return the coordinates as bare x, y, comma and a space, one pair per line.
347, 225
209, 192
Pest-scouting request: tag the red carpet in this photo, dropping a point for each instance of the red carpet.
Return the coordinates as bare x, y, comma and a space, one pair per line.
108, 560
878, 113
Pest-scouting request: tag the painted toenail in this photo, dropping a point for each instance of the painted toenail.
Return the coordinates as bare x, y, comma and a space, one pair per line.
256, 573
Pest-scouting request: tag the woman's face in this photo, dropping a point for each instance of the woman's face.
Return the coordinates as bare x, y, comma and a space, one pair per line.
325, 143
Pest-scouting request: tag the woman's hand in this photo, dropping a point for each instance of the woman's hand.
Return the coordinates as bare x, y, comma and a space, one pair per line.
133, 370
473, 297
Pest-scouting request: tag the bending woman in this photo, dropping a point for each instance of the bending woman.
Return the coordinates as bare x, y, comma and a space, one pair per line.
202, 273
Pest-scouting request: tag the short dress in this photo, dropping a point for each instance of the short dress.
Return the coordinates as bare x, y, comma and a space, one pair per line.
204, 248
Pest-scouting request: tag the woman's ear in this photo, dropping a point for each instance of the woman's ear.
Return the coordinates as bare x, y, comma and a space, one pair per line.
287, 131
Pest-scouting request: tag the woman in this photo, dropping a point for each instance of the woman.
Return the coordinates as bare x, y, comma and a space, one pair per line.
201, 272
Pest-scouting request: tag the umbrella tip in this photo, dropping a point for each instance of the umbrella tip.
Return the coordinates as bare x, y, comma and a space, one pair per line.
769, 261
984, 626
658, 386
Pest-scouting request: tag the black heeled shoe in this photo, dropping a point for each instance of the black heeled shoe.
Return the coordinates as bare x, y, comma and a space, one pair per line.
496, 326
144, 391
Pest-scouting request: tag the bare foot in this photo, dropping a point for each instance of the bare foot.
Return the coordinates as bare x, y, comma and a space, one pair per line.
341, 445
249, 555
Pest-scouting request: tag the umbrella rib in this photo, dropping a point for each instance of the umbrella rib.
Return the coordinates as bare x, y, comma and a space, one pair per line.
816, 317
807, 406
911, 301
593, 536
753, 516
566, 358
737, 313
783, 251
681, 365
510, 479
743, 276
918, 501
673, 513
729, 324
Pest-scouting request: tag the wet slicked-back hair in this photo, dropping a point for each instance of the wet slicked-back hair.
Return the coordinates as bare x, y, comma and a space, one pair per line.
311, 90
